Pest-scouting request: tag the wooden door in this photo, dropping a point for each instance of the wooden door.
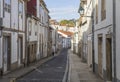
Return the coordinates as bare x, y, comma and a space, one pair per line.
109, 58
100, 55
6, 53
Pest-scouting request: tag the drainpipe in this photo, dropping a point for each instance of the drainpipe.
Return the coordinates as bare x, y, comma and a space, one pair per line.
93, 55
26, 44
114, 39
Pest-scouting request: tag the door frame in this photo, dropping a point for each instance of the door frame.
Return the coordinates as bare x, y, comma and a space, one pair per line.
21, 58
6, 35
100, 72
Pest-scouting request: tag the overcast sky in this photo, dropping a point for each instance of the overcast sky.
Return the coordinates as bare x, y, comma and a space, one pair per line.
63, 9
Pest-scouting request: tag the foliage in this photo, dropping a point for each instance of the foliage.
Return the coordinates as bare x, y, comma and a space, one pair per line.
69, 23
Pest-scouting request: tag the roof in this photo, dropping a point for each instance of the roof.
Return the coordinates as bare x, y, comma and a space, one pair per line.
66, 32
66, 25
54, 22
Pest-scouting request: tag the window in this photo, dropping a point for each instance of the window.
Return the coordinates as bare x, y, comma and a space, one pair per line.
36, 28
0, 8
40, 16
96, 13
20, 9
30, 27
7, 5
42, 19
103, 9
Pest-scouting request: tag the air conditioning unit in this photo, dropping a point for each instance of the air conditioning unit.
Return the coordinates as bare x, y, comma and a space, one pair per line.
1, 22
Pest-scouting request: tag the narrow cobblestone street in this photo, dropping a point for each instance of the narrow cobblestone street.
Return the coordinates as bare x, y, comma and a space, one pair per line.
51, 71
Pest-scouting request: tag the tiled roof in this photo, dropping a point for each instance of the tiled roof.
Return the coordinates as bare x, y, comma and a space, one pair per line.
66, 32
54, 22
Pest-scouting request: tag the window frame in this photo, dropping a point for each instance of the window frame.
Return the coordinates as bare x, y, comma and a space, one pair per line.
20, 11
103, 10
7, 6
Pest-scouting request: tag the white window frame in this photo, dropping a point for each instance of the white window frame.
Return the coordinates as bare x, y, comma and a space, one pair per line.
7, 6
20, 11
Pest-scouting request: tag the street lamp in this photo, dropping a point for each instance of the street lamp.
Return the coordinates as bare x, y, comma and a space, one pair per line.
81, 10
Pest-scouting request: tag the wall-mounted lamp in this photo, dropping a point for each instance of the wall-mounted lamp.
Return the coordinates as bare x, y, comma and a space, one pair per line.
81, 10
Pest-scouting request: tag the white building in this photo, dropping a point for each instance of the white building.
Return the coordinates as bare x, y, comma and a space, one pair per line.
23, 34
37, 31
12, 40
116, 43
103, 26
85, 31
55, 39
66, 38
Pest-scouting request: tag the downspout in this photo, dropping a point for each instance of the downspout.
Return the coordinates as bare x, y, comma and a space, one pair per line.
93, 55
114, 39
26, 44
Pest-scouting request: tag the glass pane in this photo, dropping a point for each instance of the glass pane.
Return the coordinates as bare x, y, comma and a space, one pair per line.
20, 7
7, 1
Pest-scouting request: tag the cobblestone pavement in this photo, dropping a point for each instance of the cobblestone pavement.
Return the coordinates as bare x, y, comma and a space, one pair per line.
51, 71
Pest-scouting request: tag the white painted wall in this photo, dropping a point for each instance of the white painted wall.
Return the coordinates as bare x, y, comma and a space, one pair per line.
1, 8
0, 53
118, 39
6, 20
103, 27
14, 47
14, 14
33, 28
12, 23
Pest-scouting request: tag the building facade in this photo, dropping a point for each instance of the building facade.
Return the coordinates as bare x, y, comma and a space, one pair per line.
96, 25
24, 27
85, 31
37, 29
12, 40
116, 36
103, 26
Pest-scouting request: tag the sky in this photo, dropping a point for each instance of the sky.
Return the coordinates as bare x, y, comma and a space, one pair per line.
63, 9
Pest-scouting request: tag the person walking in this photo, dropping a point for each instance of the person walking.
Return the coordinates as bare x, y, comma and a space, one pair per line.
53, 50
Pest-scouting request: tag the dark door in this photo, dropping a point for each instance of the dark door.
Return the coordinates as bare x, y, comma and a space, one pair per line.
109, 58
100, 55
6, 53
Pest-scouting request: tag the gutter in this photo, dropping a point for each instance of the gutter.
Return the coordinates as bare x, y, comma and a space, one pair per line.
93, 55
26, 44
114, 39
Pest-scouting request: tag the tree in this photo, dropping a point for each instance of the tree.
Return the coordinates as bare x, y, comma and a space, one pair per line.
69, 23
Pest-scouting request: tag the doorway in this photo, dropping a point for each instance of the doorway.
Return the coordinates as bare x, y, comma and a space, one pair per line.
6, 53
100, 55
20, 50
109, 57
